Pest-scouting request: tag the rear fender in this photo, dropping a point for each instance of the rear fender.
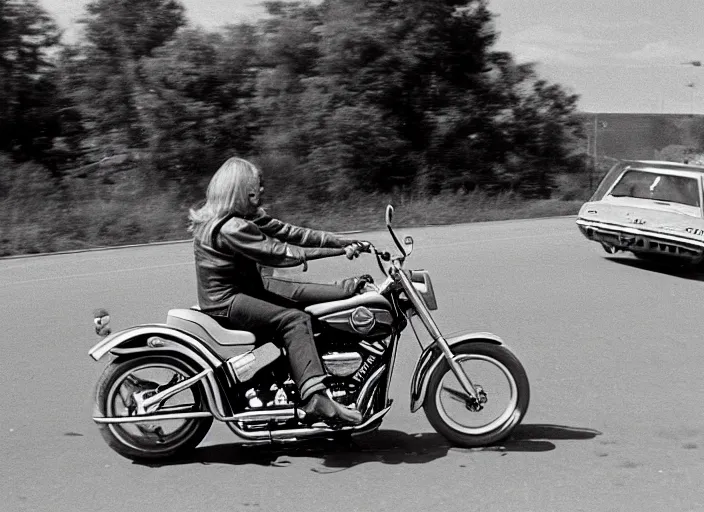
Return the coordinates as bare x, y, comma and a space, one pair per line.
169, 339
431, 358
160, 338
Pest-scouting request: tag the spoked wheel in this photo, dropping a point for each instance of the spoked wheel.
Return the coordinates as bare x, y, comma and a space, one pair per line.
503, 390
115, 396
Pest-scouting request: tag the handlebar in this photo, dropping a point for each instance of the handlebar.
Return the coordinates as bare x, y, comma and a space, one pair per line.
380, 255
365, 246
369, 247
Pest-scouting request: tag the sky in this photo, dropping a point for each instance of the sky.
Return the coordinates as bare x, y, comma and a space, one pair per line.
625, 56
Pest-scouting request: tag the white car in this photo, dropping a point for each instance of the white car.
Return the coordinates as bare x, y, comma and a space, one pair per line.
652, 209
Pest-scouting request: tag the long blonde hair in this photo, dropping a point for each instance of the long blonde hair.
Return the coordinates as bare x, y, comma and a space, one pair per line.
227, 194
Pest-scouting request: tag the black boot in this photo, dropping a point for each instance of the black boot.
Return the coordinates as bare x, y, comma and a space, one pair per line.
320, 407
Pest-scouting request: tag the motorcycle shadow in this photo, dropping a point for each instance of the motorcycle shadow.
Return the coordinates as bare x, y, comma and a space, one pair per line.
534, 437
385, 446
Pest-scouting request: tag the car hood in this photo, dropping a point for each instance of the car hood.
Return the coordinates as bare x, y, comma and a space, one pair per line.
648, 218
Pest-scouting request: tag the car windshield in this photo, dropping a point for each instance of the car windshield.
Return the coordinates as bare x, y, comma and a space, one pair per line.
657, 187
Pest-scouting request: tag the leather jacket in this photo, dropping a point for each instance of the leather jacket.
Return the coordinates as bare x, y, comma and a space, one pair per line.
230, 263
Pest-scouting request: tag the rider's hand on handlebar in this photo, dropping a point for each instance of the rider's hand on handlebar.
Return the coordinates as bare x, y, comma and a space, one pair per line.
354, 249
364, 246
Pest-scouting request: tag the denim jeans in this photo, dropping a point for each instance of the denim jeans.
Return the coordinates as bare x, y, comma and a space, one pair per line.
277, 312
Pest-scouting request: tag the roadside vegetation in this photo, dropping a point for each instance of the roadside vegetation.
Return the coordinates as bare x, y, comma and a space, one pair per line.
345, 104
50, 224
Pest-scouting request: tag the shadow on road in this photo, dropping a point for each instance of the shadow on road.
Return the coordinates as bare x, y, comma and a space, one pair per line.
673, 269
536, 438
385, 446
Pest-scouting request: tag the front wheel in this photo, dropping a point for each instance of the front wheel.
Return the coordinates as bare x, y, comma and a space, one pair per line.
504, 392
157, 439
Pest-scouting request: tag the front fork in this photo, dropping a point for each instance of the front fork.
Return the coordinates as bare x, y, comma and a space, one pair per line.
434, 331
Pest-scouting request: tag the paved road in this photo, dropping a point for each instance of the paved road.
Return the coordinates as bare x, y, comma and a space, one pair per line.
613, 350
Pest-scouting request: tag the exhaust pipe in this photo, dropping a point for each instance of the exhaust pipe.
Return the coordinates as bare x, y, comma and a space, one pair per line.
244, 417
154, 417
300, 433
264, 415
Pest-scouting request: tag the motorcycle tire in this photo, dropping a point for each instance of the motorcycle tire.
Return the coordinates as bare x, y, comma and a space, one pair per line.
147, 448
470, 437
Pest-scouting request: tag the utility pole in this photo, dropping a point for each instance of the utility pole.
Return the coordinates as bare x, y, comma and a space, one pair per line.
692, 84
596, 131
587, 165
596, 135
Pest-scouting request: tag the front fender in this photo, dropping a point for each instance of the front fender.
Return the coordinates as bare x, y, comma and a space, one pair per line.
431, 357
170, 339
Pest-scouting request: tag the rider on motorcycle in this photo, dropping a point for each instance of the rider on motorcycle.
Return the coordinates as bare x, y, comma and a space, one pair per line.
233, 236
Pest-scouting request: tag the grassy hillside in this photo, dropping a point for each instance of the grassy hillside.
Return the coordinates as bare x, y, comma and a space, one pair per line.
107, 223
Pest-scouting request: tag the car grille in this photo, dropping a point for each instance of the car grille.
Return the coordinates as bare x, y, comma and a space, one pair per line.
641, 243
662, 247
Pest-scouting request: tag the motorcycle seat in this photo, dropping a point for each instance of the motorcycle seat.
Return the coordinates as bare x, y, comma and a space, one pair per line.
196, 322
369, 299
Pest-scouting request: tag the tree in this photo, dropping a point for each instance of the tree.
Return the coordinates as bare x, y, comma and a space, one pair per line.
381, 93
201, 86
543, 129
105, 79
369, 94
29, 119
364, 86
131, 29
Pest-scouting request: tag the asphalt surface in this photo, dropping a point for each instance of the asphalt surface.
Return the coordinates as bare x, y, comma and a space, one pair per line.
613, 349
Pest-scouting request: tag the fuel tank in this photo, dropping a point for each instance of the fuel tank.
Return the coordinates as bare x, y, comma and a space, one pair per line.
370, 322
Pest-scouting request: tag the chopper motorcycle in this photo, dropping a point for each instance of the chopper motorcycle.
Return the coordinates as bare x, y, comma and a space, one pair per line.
166, 382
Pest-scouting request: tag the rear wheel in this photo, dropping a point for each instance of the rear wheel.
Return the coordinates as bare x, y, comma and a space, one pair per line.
504, 395
155, 439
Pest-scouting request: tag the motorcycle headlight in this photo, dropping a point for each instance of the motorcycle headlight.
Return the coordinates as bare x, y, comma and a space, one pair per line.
422, 283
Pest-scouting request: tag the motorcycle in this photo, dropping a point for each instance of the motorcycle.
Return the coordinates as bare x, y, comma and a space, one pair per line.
166, 383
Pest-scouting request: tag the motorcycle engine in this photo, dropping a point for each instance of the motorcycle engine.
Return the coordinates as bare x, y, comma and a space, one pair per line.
348, 364
349, 370
342, 364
